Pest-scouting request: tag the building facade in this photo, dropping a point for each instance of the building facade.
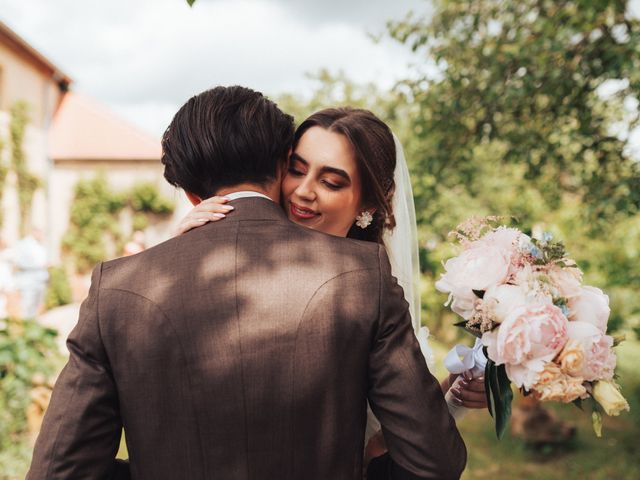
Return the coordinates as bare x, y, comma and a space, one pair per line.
68, 137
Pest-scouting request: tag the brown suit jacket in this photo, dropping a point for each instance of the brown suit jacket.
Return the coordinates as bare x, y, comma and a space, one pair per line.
245, 349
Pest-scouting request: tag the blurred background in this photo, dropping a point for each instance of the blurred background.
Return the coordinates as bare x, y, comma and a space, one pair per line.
523, 108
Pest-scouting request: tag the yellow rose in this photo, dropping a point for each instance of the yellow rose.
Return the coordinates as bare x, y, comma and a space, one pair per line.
553, 384
571, 358
608, 395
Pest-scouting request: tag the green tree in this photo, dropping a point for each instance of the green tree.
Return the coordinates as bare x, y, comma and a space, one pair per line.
523, 82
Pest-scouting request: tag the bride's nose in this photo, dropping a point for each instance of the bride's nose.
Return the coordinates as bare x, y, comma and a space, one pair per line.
305, 190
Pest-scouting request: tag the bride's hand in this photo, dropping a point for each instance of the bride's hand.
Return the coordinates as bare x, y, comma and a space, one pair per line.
467, 391
209, 210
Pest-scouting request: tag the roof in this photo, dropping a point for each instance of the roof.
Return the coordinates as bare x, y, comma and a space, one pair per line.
82, 129
21, 47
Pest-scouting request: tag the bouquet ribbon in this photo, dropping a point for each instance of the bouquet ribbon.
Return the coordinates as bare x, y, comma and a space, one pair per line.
461, 358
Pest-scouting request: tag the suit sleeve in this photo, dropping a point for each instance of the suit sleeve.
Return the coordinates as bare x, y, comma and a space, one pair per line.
82, 427
422, 438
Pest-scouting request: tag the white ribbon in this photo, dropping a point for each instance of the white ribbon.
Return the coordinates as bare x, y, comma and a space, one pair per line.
461, 358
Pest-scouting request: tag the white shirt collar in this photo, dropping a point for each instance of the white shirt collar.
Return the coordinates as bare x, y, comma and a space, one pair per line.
245, 194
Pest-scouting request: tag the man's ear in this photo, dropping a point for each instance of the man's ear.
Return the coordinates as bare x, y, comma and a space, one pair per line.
284, 165
193, 198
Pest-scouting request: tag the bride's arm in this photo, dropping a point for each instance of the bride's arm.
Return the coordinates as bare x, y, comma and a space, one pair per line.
209, 210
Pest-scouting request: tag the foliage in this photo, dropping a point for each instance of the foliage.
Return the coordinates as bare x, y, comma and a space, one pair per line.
28, 356
523, 81
93, 220
27, 182
145, 197
94, 232
58, 289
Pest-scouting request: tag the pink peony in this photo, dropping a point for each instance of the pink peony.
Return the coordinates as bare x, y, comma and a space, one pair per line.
503, 238
506, 239
591, 306
529, 337
600, 361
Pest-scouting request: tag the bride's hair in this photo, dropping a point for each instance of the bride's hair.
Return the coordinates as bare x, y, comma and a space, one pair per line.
375, 154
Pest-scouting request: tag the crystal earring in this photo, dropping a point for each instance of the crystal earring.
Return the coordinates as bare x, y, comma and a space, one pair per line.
364, 219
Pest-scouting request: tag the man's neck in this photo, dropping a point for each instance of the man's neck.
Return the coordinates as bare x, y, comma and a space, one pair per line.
271, 191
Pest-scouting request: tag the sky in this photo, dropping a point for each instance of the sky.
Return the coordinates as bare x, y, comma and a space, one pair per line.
145, 58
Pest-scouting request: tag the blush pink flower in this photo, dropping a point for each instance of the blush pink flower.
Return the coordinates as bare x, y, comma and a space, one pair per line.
600, 360
506, 239
566, 280
591, 306
529, 337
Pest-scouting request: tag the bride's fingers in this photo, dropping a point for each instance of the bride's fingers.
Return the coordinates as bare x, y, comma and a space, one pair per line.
191, 222
212, 207
470, 394
217, 200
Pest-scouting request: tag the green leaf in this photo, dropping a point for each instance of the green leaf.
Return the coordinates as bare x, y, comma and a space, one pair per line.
191, 2
487, 386
499, 396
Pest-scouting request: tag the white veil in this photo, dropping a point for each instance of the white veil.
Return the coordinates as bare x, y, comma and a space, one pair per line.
401, 245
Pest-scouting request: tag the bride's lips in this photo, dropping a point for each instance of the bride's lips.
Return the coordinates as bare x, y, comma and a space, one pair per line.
301, 213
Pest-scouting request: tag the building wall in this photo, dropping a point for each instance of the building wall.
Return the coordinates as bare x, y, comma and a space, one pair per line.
22, 80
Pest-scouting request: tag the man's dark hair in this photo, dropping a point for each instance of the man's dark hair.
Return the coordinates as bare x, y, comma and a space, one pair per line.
224, 137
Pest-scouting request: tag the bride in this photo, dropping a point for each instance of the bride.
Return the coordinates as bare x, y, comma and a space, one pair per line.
348, 177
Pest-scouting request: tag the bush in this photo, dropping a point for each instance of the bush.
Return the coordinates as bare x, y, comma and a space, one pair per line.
28, 355
145, 197
59, 289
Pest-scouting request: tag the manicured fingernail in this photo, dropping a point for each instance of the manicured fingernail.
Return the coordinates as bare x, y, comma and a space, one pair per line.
226, 198
227, 207
480, 379
219, 215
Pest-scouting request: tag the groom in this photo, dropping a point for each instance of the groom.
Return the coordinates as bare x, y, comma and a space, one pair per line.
247, 348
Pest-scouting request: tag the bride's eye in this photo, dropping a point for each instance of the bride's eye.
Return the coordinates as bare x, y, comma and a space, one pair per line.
295, 173
332, 186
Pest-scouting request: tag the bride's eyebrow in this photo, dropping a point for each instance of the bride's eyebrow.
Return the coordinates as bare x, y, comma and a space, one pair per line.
337, 171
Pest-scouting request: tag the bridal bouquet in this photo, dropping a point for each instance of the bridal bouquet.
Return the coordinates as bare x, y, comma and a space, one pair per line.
540, 327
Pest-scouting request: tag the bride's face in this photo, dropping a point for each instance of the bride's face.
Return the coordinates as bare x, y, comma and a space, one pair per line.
322, 187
